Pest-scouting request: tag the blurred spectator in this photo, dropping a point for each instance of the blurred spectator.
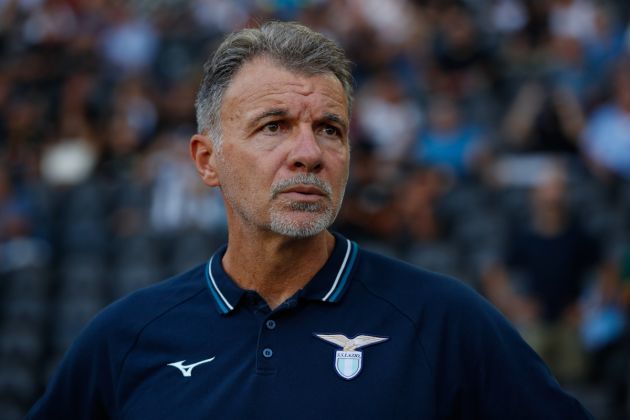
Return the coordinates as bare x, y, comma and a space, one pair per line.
604, 331
552, 256
573, 18
52, 22
566, 69
369, 212
132, 104
450, 141
387, 118
463, 66
508, 16
224, 15
178, 199
130, 43
419, 202
19, 246
604, 48
425, 229
540, 120
391, 20
16, 209
606, 138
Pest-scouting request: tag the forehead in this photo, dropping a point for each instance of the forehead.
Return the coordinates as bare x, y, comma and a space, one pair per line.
262, 83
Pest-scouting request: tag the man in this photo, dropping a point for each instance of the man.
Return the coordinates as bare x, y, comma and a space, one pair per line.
289, 320
544, 272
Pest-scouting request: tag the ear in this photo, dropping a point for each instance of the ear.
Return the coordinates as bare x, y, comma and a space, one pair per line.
203, 154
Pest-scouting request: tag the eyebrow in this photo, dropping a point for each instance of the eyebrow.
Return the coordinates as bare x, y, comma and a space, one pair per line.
273, 112
336, 119
282, 112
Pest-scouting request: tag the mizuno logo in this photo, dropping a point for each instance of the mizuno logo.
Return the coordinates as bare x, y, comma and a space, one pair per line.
186, 370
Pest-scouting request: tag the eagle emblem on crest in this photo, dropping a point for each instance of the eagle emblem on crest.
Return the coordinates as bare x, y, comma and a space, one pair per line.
349, 360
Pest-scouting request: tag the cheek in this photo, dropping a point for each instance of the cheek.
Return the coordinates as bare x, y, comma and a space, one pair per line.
255, 172
340, 164
233, 171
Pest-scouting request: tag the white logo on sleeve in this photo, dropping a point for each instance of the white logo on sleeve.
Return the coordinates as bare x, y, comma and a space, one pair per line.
186, 370
348, 362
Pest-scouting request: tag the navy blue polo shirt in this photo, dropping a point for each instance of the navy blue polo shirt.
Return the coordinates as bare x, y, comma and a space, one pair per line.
368, 337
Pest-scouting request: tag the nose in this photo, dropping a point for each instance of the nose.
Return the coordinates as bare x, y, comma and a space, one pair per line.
305, 154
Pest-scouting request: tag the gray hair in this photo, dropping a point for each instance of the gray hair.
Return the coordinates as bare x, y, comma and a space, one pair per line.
292, 45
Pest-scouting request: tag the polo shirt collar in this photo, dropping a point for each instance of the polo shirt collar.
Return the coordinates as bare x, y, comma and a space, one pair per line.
328, 285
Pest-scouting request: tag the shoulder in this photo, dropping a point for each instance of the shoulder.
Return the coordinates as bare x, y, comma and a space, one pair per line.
113, 332
99, 352
447, 314
479, 360
132, 313
417, 292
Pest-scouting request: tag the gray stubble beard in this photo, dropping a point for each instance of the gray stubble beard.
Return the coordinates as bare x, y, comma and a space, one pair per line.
283, 224
279, 221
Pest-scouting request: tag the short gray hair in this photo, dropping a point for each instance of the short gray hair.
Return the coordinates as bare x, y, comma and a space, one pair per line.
290, 44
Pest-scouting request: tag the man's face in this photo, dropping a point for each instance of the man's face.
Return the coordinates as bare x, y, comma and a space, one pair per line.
283, 162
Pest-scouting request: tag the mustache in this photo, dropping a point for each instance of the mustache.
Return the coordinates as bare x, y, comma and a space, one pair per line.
301, 179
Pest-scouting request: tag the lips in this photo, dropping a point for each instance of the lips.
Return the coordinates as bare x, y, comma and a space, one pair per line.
302, 187
303, 194
305, 189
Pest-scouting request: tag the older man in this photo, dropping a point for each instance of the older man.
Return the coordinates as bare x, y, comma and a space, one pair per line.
289, 320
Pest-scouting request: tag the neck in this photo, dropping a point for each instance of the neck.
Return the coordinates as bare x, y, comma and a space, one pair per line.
273, 265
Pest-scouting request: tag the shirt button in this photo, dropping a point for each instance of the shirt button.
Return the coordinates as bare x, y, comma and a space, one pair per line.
267, 353
271, 324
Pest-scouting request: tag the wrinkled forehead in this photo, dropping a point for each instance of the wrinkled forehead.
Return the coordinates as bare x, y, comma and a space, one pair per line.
264, 82
259, 65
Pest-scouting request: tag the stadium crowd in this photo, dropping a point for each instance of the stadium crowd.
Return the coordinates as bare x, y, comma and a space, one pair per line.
490, 141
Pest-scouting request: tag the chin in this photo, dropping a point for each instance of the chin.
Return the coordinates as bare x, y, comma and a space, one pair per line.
307, 227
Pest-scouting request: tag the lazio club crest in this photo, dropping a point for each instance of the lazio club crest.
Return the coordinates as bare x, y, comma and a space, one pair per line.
349, 360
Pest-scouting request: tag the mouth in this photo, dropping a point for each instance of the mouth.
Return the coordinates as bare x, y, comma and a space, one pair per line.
305, 190
303, 193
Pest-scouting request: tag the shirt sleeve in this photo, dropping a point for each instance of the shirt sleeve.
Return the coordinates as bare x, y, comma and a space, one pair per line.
81, 387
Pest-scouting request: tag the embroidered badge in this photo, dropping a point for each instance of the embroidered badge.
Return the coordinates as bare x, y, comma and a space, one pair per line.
349, 360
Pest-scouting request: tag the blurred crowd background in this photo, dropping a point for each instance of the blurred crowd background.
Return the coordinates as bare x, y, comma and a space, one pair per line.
490, 140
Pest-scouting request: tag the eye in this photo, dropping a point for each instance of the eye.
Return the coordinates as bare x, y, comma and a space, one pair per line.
272, 127
331, 131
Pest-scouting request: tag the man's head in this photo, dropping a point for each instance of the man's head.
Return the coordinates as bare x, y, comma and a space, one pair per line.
291, 45
274, 116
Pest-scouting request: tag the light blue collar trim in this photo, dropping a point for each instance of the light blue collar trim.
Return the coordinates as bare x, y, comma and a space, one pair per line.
223, 303
343, 273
